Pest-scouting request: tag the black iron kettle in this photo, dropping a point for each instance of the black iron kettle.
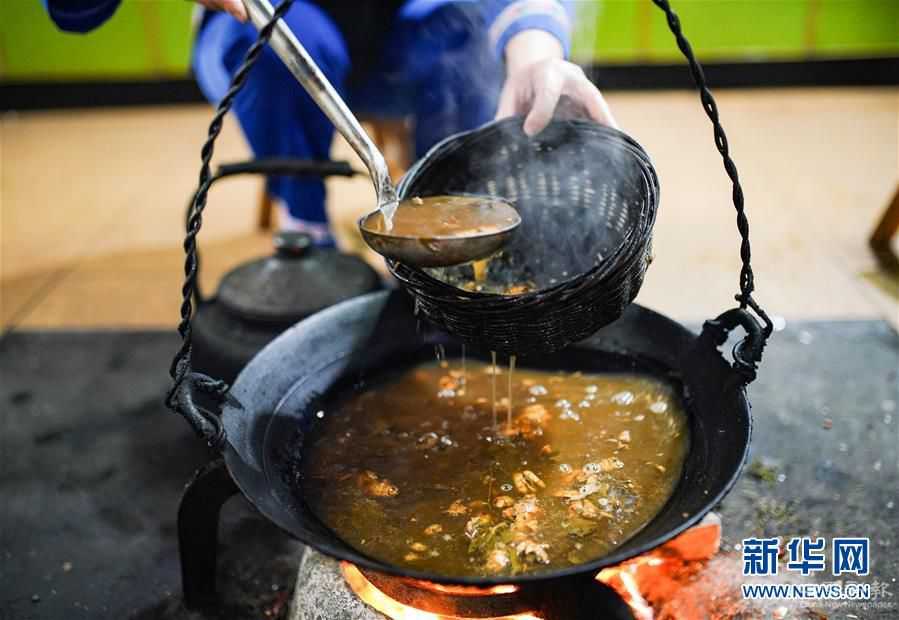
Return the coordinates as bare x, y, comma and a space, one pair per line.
258, 300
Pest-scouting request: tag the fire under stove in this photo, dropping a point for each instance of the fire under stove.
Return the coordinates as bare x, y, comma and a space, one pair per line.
329, 589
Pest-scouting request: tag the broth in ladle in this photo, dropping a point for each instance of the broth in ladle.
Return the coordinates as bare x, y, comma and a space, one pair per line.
444, 217
421, 472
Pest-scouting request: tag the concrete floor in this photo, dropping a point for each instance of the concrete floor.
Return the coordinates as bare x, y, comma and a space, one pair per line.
92, 206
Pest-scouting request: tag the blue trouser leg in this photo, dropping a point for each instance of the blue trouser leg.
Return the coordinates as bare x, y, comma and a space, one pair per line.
277, 117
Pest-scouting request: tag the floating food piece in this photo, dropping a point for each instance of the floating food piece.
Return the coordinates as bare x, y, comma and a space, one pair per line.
527, 482
497, 561
373, 486
503, 501
411, 557
418, 546
457, 509
611, 463
434, 528
584, 508
532, 417
428, 440
524, 509
476, 523
533, 478
417, 201
537, 390
521, 485
624, 436
531, 548
591, 485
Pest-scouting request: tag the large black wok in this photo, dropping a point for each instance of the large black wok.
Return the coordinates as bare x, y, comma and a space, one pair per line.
271, 408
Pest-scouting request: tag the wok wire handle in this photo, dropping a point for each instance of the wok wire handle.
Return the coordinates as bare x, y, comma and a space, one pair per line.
747, 354
187, 385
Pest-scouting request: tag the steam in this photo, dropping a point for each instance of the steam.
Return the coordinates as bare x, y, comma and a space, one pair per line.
581, 193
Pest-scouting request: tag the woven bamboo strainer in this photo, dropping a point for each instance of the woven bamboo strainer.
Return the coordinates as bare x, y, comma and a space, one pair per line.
587, 195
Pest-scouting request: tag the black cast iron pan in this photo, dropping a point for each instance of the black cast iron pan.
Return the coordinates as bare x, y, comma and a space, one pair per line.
271, 408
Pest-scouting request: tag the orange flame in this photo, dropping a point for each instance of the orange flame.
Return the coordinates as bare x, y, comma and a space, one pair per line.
623, 579
395, 610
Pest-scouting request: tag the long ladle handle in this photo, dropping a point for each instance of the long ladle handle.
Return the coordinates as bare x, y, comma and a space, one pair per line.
300, 64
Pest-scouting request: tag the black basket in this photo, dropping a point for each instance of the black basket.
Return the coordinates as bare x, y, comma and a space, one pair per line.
587, 195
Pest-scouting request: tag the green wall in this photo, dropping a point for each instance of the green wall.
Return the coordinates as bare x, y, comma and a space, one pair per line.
151, 38
144, 39
635, 30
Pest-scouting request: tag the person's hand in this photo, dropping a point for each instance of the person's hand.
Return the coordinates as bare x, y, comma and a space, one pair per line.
232, 7
540, 84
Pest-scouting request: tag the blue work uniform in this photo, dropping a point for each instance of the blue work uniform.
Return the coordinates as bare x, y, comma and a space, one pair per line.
436, 61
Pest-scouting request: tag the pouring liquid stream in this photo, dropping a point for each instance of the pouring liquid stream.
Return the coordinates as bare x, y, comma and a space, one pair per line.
493, 384
509, 409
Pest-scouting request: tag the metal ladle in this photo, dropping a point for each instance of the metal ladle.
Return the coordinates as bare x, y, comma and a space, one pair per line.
414, 249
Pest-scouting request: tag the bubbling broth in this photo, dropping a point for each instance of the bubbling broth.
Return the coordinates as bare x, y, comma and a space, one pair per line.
416, 473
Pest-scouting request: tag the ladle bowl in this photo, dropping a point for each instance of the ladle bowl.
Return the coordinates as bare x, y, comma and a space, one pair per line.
441, 250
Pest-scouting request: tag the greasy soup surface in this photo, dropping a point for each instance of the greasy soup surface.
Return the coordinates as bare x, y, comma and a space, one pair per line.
414, 471
438, 217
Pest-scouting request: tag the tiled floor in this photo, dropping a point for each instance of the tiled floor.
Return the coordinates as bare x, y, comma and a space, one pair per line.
92, 206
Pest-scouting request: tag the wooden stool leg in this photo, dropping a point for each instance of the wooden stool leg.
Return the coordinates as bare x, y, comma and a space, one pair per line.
883, 235
266, 204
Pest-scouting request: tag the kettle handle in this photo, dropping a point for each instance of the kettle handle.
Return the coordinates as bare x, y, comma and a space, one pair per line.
284, 166
195, 396
273, 166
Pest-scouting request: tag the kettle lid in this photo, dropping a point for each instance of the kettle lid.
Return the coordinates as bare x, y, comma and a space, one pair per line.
298, 280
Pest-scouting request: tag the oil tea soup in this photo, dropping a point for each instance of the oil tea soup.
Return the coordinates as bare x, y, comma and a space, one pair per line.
474, 470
